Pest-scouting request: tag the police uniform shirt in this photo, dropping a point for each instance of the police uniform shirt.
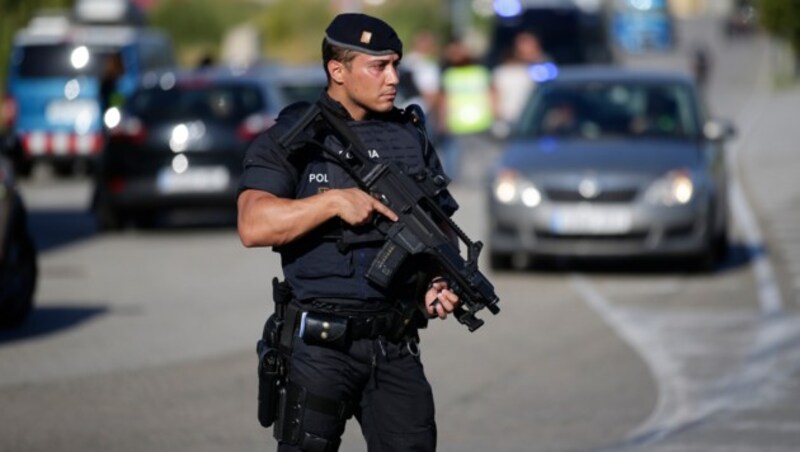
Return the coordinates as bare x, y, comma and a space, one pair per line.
312, 264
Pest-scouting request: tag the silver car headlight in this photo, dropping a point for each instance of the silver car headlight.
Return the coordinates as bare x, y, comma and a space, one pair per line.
511, 188
674, 188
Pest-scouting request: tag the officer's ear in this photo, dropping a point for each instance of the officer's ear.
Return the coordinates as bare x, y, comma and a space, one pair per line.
336, 69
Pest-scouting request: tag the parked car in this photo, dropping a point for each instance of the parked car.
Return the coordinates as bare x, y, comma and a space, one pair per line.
179, 143
18, 259
607, 161
55, 87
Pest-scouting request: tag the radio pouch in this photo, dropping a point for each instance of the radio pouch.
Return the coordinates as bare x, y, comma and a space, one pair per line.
328, 330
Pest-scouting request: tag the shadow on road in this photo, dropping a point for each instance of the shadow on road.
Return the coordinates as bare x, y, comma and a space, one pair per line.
55, 228
51, 319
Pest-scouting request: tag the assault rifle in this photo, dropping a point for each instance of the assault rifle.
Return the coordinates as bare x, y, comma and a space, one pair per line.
419, 230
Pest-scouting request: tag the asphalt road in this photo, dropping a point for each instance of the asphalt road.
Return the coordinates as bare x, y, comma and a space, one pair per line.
145, 340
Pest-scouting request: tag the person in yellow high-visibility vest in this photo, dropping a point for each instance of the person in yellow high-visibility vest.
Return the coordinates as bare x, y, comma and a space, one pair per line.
467, 103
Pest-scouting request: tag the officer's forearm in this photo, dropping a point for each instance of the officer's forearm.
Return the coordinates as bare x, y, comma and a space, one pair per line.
267, 220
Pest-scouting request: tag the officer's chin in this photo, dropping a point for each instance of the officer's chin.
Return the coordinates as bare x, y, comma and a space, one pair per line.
385, 104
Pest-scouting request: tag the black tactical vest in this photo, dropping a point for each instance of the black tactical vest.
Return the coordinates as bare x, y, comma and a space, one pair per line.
316, 266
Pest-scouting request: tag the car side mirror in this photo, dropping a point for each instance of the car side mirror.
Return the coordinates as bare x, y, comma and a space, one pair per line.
719, 130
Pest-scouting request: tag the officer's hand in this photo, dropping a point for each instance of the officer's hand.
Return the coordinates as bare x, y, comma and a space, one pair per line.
356, 207
439, 299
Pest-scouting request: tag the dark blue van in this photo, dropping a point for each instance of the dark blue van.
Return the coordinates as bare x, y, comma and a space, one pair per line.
54, 99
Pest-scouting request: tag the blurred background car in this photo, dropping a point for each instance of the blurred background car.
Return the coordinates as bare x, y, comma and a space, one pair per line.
297, 83
609, 162
641, 27
570, 32
18, 256
61, 76
179, 142
742, 20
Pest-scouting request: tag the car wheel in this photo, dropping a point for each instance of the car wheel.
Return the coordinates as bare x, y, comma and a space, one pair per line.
63, 169
109, 219
22, 168
499, 261
106, 216
722, 245
18, 275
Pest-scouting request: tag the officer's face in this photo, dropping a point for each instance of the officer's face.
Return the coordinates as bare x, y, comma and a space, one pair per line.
369, 83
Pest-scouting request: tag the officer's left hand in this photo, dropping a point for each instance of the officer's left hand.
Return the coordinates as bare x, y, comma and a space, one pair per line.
439, 299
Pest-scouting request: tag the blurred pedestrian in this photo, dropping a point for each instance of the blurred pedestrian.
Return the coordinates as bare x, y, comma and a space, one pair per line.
350, 347
422, 61
110, 95
466, 105
701, 66
513, 80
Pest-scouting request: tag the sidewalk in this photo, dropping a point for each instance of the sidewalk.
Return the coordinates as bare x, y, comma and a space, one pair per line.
769, 163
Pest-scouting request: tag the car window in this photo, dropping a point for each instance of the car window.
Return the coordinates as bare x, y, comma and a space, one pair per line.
155, 54
232, 103
60, 60
606, 110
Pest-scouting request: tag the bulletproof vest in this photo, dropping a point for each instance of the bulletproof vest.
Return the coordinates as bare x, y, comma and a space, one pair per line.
316, 265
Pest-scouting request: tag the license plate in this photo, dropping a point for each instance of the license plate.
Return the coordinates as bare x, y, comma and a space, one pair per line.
591, 220
207, 179
70, 112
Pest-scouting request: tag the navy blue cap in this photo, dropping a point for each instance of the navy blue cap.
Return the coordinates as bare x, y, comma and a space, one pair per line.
363, 33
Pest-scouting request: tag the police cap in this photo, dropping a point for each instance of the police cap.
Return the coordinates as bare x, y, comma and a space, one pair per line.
363, 33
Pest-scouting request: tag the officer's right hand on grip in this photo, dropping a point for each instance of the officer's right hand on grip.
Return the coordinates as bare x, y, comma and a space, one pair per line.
356, 207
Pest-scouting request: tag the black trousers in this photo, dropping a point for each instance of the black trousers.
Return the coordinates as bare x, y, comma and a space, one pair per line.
384, 381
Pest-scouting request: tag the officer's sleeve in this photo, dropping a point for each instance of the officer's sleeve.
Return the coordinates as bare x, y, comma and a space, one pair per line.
267, 169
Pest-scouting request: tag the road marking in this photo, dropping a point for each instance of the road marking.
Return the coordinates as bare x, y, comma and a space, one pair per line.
718, 448
764, 427
703, 362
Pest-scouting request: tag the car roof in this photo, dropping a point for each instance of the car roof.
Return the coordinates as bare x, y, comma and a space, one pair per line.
586, 74
207, 75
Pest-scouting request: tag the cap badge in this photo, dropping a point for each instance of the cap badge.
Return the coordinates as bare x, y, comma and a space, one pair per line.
366, 37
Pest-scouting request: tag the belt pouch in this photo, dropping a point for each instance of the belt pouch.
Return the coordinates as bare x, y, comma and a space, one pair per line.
317, 328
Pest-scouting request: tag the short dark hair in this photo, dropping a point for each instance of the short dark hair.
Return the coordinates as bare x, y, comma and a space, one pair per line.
336, 53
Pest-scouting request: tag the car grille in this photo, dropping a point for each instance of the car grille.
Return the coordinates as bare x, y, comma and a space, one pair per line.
606, 196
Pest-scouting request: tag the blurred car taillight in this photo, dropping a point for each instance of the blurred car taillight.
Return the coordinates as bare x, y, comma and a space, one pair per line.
9, 112
128, 129
254, 125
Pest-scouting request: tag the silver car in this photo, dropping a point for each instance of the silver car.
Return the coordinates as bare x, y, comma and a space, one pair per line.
611, 162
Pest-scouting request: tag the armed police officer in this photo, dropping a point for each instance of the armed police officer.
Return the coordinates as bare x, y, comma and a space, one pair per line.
350, 347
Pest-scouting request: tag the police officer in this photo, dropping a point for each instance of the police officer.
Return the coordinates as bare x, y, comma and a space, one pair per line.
353, 347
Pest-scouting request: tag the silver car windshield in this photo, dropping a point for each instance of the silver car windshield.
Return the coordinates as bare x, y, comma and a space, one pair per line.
595, 111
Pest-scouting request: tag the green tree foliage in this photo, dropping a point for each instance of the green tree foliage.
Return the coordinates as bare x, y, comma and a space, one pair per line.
15, 14
293, 29
782, 19
196, 24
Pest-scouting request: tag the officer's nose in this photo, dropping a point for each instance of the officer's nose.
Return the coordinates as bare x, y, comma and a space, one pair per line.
393, 77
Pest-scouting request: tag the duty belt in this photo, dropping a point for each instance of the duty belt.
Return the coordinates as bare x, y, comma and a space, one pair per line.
350, 326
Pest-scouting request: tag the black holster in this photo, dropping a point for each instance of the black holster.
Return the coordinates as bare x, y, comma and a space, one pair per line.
272, 361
